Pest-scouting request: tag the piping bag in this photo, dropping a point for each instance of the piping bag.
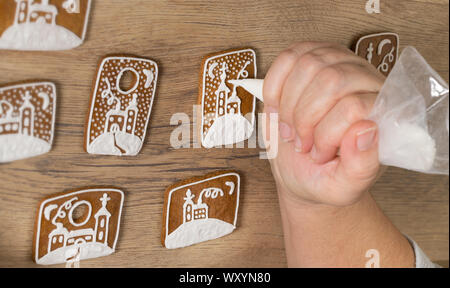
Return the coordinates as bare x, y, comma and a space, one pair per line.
412, 114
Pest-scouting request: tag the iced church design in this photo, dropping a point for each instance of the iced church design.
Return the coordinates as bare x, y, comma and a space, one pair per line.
195, 211
87, 238
198, 224
119, 115
26, 120
61, 237
36, 26
225, 120
29, 12
21, 124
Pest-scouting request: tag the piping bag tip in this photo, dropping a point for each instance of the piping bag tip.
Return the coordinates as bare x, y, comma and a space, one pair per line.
253, 86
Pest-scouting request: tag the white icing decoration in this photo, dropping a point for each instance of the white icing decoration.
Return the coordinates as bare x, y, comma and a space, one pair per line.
197, 225
124, 144
31, 31
77, 244
18, 147
48, 210
370, 53
381, 45
198, 231
227, 130
120, 77
17, 139
231, 126
74, 207
45, 99
384, 66
118, 137
71, 6
211, 70
149, 76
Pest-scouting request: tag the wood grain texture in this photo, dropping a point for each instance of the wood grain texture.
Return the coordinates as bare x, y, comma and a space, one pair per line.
177, 34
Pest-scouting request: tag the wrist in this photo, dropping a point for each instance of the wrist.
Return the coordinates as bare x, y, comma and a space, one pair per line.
308, 215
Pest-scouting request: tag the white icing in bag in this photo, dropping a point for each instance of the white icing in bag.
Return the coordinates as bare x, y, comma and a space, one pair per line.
406, 145
411, 112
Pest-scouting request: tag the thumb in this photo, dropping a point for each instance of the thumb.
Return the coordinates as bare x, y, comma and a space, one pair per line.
359, 162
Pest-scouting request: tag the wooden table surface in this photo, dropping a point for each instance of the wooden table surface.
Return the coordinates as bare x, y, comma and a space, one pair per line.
177, 34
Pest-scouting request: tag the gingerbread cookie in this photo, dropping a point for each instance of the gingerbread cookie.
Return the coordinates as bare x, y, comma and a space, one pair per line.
43, 24
120, 113
200, 209
77, 225
27, 120
228, 111
381, 50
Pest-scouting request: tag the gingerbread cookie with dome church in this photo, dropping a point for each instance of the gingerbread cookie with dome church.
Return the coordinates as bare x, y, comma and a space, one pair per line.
43, 24
120, 111
200, 209
77, 225
27, 120
228, 111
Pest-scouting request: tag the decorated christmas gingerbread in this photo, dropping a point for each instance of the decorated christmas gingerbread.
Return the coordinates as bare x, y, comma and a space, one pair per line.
200, 209
27, 120
120, 110
228, 111
43, 24
381, 50
77, 225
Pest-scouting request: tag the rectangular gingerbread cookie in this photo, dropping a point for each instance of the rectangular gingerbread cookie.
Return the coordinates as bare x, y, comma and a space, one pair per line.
120, 110
43, 24
228, 111
77, 225
27, 120
380, 50
200, 209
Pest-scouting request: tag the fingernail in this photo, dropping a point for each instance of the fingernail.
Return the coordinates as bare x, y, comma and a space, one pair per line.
365, 139
298, 144
285, 131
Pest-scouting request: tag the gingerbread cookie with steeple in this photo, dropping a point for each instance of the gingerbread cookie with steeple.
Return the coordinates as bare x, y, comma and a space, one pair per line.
40, 25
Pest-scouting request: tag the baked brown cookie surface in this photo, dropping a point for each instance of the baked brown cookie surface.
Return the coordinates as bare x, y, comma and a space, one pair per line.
228, 111
27, 120
43, 24
120, 112
200, 209
78, 225
381, 50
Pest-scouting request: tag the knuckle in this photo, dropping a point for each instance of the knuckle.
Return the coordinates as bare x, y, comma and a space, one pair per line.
285, 114
310, 61
331, 76
301, 122
289, 55
353, 108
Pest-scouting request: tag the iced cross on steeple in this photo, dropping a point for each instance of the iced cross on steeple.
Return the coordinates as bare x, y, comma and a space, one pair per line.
104, 200
189, 196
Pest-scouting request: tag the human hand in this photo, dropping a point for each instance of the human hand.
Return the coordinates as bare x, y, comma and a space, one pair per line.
327, 152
